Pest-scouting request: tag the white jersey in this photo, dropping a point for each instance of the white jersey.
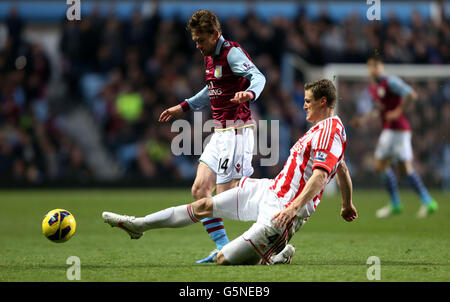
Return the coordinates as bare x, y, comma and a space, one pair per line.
323, 147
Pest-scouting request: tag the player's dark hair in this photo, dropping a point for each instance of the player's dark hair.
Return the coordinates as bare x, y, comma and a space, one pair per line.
323, 88
375, 57
203, 21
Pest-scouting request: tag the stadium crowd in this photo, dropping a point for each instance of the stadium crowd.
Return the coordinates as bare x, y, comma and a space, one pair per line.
128, 71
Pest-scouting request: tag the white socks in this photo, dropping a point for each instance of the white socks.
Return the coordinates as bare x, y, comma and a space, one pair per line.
174, 217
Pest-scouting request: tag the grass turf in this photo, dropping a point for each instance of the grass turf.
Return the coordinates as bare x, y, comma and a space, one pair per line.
328, 248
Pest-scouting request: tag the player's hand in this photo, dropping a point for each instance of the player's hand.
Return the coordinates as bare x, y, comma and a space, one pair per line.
283, 217
355, 122
170, 113
393, 114
349, 213
242, 97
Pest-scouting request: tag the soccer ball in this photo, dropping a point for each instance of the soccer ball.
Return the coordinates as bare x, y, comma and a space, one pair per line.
58, 225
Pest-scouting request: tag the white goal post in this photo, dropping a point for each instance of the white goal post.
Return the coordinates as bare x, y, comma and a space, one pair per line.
418, 71
334, 71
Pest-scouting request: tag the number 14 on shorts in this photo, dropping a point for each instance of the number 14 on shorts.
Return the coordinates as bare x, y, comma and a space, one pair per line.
223, 164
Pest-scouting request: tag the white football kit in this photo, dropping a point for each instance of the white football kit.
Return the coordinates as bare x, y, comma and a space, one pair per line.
260, 199
395, 144
229, 153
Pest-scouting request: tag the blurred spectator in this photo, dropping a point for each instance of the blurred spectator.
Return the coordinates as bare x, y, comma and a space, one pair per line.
127, 71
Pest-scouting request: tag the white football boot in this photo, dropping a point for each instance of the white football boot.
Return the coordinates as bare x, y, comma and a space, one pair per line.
388, 211
427, 209
124, 222
285, 256
384, 212
423, 211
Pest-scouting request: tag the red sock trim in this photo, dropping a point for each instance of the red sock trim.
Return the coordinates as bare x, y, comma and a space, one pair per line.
214, 229
191, 213
212, 221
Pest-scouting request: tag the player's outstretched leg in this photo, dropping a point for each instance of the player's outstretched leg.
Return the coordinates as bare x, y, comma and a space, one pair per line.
174, 217
257, 249
395, 206
429, 205
124, 222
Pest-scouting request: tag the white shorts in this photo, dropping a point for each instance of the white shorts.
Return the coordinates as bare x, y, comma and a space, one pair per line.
394, 144
229, 154
252, 200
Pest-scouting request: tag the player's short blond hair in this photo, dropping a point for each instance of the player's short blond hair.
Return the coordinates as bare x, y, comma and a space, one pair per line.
203, 21
323, 88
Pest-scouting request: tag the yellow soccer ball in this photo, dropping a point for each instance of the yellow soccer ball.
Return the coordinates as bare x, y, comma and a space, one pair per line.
58, 225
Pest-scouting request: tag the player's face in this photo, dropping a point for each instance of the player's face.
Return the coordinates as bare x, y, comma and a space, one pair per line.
375, 68
312, 107
206, 42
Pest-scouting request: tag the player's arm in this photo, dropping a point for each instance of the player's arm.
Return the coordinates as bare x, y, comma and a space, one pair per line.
242, 66
326, 157
311, 189
367, 109
365, 118
409, 99
408, 95
197, 102
348, 211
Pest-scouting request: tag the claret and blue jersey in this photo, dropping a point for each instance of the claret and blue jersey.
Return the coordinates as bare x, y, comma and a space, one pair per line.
230, 70
389, 92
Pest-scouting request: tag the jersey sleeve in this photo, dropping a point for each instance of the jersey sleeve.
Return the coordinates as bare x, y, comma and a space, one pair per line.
198, 101
398, 86
328, 148
364, 103
241, 65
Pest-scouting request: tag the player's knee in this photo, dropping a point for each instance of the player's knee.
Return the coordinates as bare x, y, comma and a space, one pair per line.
203, 207
380, 167
221, 259
406, 168
199, 191
379, 170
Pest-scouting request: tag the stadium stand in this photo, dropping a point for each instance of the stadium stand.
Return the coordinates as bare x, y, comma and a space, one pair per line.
92, 116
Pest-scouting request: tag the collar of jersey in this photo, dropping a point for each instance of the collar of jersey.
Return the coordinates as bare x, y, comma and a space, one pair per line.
219, 45
322, 121
381, 78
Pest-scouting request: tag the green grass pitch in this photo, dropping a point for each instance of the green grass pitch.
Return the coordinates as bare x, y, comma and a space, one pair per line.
328, 248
